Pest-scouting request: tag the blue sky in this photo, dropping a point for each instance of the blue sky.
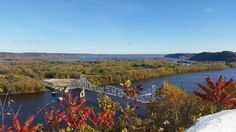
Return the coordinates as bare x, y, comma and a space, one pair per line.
117, 26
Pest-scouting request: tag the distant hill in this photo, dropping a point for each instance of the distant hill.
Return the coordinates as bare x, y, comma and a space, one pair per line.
8, 55
74, 57
217, 56
180, 55
227, 56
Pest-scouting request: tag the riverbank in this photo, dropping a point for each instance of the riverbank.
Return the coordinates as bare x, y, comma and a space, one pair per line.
164, 76
27, 76
32, 92
188, 81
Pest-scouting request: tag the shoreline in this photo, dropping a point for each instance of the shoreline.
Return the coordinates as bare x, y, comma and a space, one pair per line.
134, 81
25, 92
179, 74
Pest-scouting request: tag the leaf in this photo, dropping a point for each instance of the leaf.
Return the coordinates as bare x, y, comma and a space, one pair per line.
224, 99
220, 82
35, 128
28, 121
211, 83
205, 97
124, 130
219, 85
231, 100
210, 92
229, 83
68, 129
16, 123
128, 83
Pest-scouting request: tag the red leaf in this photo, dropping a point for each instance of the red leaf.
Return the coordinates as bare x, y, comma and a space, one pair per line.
224, 99
28, 121
220, 82
210, 92
219, 85
228, 83
16, 122
35, 128
210, 83
231, 100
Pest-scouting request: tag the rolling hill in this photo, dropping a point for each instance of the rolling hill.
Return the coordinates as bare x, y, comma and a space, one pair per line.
227, 56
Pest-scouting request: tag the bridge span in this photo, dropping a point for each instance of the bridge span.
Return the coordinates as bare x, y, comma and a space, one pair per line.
82, 83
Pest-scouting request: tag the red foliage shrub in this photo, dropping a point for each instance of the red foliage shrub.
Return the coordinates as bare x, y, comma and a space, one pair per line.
26, 126
220, 93
76, 113
108, 108
4, 128
105, 118
53, 115
129, 91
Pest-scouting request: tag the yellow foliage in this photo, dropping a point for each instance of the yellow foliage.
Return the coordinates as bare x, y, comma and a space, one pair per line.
175, 108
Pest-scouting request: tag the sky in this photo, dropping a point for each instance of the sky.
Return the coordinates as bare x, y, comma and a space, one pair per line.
117, 26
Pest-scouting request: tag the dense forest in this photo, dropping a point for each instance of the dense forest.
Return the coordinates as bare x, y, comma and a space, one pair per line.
25, 76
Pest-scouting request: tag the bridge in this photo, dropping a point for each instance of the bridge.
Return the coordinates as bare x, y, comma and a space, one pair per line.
82, 83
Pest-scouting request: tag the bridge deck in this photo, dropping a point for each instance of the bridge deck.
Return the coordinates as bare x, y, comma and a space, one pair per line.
83, 83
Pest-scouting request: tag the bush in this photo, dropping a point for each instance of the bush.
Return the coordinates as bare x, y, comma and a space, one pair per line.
222, 94
175, 109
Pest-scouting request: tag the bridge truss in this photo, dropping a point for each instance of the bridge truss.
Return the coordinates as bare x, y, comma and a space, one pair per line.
82, 83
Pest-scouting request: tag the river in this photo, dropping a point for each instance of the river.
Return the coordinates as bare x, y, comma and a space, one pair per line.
31, 102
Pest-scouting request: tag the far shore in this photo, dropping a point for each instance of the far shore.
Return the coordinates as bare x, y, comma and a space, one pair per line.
62, 82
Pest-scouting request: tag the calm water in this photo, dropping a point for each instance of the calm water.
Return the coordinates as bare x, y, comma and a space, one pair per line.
31, 102
188, 81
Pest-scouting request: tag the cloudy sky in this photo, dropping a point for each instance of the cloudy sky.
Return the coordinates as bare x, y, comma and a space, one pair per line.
117, 26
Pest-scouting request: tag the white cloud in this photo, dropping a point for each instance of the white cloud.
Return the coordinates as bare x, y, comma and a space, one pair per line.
209, 10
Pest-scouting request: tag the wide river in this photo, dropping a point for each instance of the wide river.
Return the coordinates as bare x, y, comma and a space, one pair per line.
31, 102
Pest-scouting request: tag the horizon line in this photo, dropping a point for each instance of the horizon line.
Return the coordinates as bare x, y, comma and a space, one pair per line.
87, 53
